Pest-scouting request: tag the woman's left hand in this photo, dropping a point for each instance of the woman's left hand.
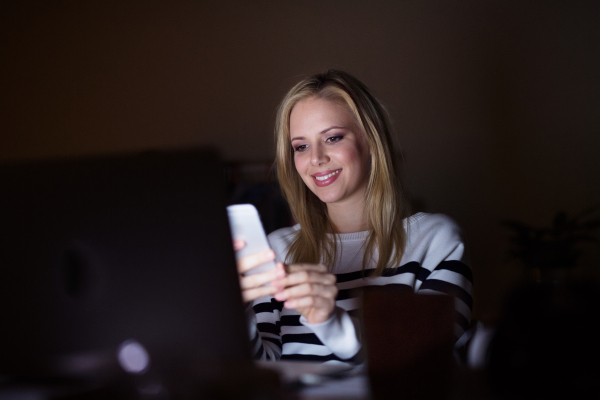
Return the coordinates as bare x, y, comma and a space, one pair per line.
309, 289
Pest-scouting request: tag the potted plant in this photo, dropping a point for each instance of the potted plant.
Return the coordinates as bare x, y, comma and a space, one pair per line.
546, 337
549, 252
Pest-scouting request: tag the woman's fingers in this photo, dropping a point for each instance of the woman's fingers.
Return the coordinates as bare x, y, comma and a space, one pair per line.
253, 294
238, 244
245, 264
305, 280
253, 286
307, 289
253, 281
306, 276
312, 303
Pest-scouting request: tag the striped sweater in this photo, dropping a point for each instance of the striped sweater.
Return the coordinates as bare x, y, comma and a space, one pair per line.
435, 261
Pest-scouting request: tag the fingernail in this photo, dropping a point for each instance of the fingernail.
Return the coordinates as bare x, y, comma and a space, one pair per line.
280, 273
279, 296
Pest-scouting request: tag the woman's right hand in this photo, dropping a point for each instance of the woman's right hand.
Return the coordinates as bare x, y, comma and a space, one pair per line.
253, 285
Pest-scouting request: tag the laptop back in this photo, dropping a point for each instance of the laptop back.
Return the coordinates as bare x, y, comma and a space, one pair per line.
98, 251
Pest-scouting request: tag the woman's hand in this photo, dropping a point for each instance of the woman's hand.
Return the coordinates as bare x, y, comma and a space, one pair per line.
309, 289
252, 285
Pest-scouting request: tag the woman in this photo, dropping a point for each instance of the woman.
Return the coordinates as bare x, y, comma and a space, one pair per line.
335, 165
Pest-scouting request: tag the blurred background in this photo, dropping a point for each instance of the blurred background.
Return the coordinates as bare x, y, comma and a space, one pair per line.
496, 104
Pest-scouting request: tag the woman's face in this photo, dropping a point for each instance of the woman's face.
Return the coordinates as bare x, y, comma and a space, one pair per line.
330, 151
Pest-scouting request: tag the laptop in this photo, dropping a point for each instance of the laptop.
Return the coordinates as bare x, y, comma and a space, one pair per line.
98, 253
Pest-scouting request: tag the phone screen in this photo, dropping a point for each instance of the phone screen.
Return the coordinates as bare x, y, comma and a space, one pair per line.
245, 224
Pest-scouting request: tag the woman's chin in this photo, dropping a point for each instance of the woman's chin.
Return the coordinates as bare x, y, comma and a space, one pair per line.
335, 197
328, 199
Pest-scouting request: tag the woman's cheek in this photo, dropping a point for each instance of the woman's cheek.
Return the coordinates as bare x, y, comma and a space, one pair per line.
300, 162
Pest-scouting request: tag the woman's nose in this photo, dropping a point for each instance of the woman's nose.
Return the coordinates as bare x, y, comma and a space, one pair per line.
318, 156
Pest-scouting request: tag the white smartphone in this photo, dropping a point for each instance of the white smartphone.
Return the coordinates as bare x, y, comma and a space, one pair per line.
245, 225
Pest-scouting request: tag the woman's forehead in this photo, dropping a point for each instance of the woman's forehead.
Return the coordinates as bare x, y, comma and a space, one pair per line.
320, 113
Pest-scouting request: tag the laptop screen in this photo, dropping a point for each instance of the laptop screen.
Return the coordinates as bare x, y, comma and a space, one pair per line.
101, 250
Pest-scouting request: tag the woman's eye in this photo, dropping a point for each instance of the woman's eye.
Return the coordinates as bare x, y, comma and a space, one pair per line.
302, 147
334, 139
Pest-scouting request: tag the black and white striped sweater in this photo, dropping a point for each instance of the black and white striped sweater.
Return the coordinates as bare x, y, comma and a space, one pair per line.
435, 261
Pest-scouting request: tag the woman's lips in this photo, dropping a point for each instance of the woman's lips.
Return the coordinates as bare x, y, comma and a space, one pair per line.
326, 178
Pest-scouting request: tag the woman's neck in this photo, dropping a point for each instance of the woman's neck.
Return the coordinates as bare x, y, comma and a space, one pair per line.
349, 218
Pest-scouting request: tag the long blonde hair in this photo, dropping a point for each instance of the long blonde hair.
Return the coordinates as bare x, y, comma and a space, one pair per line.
385, 205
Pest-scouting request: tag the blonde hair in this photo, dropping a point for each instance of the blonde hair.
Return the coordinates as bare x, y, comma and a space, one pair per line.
385, 206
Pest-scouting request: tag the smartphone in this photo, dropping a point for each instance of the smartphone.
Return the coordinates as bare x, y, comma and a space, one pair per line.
245, 225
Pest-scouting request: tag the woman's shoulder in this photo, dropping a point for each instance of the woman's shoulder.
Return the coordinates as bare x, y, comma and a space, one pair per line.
281, 239
427, 224
430, 234
283, 233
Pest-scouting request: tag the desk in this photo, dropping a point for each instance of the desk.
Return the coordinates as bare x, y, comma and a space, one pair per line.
353, 384
316, 381
351, 388
335, 383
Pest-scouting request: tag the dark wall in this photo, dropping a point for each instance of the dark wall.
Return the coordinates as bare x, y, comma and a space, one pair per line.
496, 103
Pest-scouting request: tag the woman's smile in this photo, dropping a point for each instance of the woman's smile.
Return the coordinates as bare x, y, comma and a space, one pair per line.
326, 178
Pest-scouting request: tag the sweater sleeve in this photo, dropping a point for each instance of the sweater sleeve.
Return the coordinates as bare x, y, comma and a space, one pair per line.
447, 269
263, 323
340, 333
264, 317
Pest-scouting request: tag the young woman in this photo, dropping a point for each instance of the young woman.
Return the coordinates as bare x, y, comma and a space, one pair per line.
336, 167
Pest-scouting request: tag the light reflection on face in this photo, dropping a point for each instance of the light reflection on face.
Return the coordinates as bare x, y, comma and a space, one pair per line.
330, 151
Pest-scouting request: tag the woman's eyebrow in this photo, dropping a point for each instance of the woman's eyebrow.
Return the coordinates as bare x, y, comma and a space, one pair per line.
322, 132
333, 127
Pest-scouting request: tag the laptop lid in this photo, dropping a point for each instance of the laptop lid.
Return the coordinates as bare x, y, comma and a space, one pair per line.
101, 250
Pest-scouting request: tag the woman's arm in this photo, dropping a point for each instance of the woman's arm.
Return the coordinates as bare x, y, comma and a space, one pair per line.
263, 322
311, 290
446, 266
264, 330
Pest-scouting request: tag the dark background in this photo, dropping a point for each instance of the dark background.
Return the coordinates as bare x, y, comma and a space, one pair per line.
496, 103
